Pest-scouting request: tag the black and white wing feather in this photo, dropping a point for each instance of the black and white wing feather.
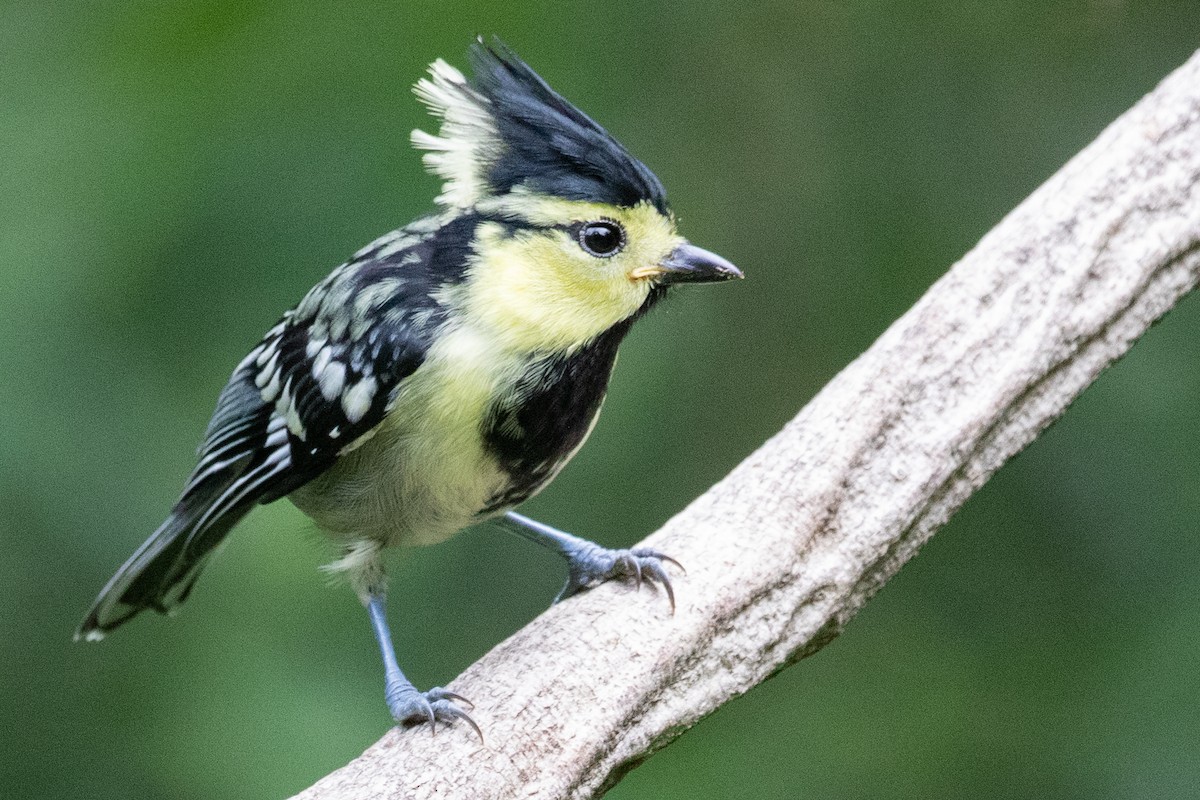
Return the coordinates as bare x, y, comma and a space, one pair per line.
317, 385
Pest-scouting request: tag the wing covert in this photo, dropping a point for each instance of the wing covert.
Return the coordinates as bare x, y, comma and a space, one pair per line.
324, 377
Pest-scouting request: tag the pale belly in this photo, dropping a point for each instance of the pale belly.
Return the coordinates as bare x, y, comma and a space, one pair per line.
425, 473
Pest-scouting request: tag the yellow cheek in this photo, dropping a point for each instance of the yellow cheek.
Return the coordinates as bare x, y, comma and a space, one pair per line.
540, 292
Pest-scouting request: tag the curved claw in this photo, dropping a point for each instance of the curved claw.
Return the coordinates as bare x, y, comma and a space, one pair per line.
657, 573
636, 569
448, 712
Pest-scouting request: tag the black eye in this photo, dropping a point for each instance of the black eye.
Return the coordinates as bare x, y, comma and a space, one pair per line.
601, 239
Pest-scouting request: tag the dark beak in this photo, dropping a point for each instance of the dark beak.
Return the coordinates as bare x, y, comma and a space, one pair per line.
690, 264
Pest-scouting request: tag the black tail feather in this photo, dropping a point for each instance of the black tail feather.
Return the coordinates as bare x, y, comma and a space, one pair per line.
161, 573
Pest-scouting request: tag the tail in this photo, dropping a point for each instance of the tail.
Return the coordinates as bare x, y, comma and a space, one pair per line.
163, 570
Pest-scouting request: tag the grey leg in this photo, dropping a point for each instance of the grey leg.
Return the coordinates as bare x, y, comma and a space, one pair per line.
589, 564
409, 706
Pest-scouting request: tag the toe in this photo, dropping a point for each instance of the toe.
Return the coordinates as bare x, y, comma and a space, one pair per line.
649, 552
631, 566
412, 710
438, 693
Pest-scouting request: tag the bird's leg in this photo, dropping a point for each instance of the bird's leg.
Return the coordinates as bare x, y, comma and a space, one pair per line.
363, 565
589, 564
409, 706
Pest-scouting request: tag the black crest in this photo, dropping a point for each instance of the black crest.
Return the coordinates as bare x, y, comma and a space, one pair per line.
550, 145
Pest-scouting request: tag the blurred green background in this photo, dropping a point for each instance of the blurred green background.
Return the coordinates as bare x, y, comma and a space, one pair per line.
175, 175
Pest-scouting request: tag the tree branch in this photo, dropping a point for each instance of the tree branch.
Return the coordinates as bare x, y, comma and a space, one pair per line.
784, 551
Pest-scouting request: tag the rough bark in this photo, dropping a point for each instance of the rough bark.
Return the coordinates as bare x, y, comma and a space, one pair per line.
784, 551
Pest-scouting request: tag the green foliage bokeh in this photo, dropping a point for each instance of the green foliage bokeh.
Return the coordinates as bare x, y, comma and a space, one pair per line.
173, 176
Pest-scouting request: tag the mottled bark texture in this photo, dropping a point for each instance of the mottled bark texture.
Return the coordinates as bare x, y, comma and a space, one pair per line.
784, 551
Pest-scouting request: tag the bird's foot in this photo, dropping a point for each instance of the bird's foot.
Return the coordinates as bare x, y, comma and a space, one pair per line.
590, 564
410, 707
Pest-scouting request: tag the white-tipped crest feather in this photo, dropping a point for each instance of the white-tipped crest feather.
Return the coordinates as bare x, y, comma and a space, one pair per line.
458, 153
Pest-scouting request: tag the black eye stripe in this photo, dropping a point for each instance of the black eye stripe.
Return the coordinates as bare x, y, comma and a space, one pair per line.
602, 238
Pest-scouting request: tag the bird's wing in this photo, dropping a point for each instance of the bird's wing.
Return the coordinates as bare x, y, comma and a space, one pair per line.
318, 382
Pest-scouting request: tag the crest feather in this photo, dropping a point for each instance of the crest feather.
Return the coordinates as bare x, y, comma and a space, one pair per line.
505, 128
457, 154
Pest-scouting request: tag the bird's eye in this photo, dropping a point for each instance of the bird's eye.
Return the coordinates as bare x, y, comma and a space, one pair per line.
602, 239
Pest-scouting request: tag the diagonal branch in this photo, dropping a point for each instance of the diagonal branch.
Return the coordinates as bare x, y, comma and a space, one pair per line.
784, 551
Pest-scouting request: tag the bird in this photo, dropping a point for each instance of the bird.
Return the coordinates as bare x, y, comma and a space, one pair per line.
448, 370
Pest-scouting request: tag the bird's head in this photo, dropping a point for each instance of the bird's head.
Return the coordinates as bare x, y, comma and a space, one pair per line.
574, 234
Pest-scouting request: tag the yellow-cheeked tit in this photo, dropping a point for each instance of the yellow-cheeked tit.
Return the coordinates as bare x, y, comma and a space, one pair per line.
450, 369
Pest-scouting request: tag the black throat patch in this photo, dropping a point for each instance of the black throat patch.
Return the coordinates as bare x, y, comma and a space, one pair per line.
561, 395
